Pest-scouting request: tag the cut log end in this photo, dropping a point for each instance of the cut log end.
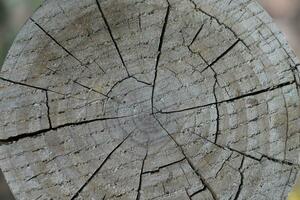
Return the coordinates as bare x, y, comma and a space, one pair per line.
156, 99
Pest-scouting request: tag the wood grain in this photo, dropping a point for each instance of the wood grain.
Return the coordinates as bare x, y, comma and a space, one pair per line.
150, 99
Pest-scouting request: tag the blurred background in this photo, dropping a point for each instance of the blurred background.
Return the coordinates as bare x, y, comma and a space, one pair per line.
13, 14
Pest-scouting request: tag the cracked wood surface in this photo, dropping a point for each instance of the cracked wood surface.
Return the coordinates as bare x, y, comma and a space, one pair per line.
150, 99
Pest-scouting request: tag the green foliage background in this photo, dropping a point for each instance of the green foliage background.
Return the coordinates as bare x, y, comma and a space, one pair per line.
13, 14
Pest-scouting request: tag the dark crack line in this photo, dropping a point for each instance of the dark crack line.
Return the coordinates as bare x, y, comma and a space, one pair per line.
140, 81
241, 180
223, 164
23, 84
187, 194
221, 56
54, 40
294, 71
38, 88
39, 132
140, 22
204, 182
38, 197
191, 43
99, 67
65, 49
116, 84
196, 35
66, 154
204, 60
271, 88
48, 109
35, 87
49, 90
294, 68
230, 2
36, 176
163, 166
30, 86
124, 79
141, 175
215, 75
91, 89
159, 53
99, 168
198, 53
286, 184
198, 191
231, 99
217, 109
283, 162
218, 21
111, 36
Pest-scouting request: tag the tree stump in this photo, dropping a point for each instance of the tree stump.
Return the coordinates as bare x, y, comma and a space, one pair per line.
150, 99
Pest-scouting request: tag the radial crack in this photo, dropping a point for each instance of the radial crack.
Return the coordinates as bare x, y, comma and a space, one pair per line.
39, 132
54, 40
196, 35
262, 156
163, 166
223, 164
37, 87
231, 99
204, 182
99, 168
141, 174
218, 21
284, 162
206, 62
48, 109
111, 36
217, 109
198, 191
286, 184
30, 86
241, 180
159, 53
221, 55
198, 53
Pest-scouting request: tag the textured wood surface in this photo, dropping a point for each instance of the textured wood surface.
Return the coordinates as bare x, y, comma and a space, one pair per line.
150, 99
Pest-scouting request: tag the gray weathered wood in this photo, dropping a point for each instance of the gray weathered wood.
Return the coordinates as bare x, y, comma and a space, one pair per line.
150, 99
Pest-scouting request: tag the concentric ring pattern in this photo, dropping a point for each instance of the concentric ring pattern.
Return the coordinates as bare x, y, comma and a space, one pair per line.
150, 99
